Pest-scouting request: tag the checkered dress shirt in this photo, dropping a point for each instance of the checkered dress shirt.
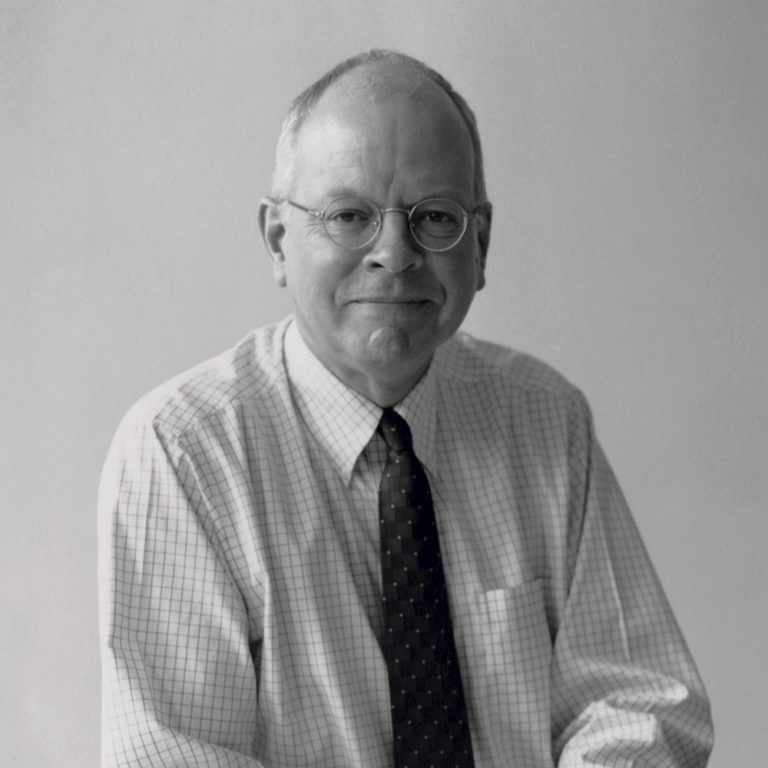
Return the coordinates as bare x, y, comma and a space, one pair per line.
240, 576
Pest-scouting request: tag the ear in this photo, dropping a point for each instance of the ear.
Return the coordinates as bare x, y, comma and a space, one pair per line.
483, 239
273, 232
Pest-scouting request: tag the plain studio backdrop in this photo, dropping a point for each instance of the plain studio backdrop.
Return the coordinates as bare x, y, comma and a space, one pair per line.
627, 160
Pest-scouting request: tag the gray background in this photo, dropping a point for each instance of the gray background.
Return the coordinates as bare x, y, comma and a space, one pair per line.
627, 159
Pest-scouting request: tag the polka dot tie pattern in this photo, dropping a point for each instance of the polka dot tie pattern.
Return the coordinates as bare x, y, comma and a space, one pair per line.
429, 716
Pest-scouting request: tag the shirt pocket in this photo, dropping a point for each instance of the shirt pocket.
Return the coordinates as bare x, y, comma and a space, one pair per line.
508, 653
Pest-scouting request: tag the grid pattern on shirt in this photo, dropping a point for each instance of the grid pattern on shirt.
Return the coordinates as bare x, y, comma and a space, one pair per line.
240, 590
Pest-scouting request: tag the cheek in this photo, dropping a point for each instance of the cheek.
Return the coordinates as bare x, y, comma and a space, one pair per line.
460, 280
313, 283
303, 265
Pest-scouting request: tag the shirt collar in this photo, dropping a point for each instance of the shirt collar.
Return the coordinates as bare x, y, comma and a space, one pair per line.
343, 421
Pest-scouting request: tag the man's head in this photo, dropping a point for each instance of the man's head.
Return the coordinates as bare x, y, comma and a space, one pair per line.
387, 129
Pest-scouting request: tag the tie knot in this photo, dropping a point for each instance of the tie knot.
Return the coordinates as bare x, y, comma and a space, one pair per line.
395, 431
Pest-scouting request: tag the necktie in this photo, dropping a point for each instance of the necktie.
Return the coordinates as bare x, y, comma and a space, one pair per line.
429, 718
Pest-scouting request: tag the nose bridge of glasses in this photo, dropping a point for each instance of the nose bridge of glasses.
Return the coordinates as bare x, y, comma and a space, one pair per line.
409, 221
406, 211
383, 211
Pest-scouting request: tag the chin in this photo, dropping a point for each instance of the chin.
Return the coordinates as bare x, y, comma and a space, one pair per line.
392, 345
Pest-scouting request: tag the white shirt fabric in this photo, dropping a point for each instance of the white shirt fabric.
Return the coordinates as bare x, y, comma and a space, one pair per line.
240, 580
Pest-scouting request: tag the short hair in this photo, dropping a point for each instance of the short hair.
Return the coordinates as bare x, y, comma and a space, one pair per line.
302, 106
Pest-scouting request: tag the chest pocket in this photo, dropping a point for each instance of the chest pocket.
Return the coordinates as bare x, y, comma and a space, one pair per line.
508, 655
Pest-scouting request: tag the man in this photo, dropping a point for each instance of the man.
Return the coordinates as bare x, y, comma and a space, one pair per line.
253, 611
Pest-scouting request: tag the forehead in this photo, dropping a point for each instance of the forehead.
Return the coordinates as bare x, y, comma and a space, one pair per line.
388, 133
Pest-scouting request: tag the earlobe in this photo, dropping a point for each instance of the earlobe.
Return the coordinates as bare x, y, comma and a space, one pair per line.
480, 274
483, 241
273, 232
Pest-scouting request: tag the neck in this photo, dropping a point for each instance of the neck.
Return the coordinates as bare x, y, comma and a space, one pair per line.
383, 391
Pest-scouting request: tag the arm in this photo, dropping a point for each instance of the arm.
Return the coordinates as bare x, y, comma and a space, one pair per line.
625, 690
179, 686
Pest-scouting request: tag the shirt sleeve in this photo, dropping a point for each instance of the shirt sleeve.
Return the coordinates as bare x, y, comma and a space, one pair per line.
178, 683
625, 691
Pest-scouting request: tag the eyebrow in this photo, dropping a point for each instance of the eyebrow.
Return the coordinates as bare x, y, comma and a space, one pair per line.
337, 192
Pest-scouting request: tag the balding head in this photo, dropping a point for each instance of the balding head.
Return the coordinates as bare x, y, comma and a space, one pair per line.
368, 77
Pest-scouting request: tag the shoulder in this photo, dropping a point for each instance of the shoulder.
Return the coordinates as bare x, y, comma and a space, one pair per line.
467, 360
243, 375
516, 401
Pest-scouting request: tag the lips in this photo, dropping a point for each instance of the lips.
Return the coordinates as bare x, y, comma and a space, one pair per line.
389, 300
394, 297
395, 293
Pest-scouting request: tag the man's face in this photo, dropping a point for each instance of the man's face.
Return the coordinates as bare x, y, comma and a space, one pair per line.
375, 315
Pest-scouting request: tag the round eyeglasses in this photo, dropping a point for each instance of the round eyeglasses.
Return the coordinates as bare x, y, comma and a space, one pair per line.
437, 224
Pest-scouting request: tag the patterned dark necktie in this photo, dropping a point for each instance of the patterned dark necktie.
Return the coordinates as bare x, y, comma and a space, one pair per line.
429, 718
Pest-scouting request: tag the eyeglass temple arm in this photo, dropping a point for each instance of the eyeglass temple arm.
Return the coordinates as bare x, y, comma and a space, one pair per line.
311, 211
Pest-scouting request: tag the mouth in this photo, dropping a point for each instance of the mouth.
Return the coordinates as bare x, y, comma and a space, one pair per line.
395, 307
390, 301
394, 296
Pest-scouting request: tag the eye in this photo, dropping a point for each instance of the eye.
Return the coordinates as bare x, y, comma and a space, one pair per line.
439, 217
350, 213
348, 216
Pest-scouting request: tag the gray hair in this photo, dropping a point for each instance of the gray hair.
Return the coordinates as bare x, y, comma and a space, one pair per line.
302, 106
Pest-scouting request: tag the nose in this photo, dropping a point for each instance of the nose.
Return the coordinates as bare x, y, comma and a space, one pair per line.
394, 248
